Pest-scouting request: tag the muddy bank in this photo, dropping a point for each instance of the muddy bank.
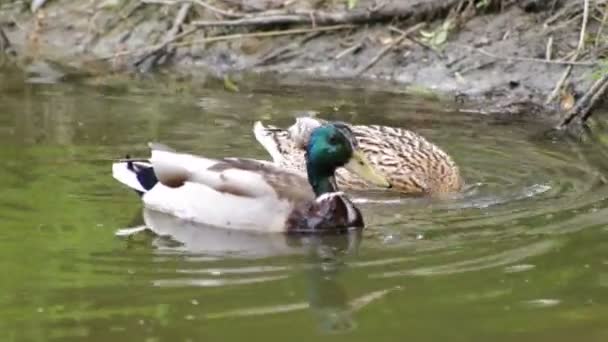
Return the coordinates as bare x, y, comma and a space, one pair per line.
503, 56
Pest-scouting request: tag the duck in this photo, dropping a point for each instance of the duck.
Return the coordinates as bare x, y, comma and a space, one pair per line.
253, 195
413, 165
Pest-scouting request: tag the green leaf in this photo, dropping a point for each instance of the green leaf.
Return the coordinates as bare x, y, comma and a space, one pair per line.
230, 85
482, 4
352, 3
440, 37
447, 25
426, 34
601, 70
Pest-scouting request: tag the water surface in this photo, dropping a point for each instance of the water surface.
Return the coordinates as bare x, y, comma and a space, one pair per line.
522, 255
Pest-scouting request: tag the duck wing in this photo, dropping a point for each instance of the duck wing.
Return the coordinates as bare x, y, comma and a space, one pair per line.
233, 193
237, 176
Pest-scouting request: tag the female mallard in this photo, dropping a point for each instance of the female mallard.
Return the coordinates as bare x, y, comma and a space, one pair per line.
248, 194
412, 164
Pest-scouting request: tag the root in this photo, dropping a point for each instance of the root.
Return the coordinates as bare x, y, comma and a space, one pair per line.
583, 109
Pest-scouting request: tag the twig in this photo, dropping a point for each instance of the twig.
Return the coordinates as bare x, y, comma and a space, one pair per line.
262, 20
581, 39
583, 107
579, 48
378, 56
169, 37
601, 27
284, 52
159, 2
568, 56
131, 11
5, 44
560, 13
227, 37
558, 85
549, 48
562, 25
431, 48
197, 2
527, 59
155, 47
409, 31
387, 48
264, 34
218, 10
599, 94
350, 49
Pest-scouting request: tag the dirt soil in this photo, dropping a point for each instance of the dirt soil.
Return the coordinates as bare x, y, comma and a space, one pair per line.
499, 56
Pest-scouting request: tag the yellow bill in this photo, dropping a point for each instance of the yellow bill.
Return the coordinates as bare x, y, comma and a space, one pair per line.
359, 165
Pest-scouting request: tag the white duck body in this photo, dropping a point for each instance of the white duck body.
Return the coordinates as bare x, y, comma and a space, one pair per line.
199, 203
232, 193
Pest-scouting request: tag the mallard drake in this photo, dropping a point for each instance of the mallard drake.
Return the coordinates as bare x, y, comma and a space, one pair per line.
248, 194
412, 164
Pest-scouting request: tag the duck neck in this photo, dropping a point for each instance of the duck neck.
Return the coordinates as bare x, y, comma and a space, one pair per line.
320, 179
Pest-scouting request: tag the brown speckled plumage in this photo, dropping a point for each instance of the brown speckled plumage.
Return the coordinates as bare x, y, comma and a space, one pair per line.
411, 163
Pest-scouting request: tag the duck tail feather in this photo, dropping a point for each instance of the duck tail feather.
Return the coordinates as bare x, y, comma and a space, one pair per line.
137, 174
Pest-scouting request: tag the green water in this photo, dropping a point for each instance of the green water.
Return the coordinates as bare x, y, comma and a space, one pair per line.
523, 255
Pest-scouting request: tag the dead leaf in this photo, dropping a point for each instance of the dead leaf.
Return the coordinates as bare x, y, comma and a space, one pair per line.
385, 40
566, 101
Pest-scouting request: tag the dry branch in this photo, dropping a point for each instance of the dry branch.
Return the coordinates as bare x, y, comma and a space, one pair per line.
421, 9
217, 10
286, 51
5, 44
263, 34
225, 37
570, 9
528, 59
579, 48
200, 3
598, 35
162, 50
350, 49
388, 47
583, 107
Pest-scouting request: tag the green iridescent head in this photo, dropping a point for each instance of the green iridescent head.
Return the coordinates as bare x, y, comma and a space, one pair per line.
332, 146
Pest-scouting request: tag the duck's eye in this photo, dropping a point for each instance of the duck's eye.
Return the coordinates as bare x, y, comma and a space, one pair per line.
333, 140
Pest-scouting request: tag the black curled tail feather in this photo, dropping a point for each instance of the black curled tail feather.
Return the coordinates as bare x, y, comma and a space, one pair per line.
145, 173
142, 177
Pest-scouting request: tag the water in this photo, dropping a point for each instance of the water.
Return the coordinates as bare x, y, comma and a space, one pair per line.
523, 255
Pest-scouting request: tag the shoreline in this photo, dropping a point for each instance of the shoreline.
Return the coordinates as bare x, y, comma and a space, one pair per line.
502, 57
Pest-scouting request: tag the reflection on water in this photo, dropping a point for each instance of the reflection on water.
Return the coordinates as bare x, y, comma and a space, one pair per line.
522, 253
327, 299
